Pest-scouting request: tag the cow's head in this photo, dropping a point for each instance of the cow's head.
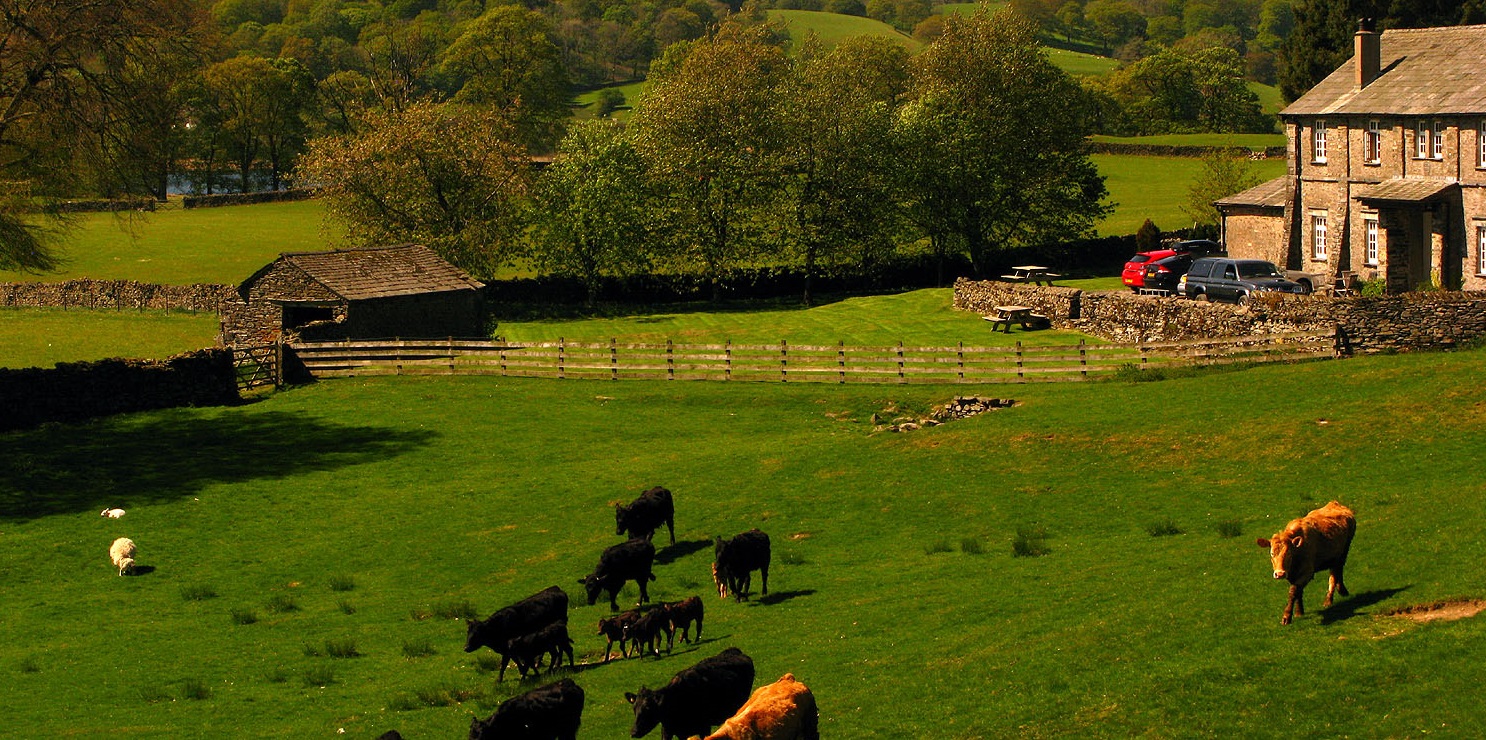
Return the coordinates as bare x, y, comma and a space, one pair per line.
593, 585
621, 513
472, 637
481, 728
648, 708
1282, 549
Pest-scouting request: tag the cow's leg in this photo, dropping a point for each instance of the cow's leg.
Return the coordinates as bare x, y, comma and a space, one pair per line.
505, 660
644, 592
614, 600
671, 525
1337, 584
764, 575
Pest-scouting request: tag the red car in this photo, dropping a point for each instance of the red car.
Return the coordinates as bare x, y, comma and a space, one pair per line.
1134, 272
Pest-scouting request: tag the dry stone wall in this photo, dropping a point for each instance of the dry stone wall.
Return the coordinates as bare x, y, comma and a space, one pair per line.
1411, 321
116, 295
73, 391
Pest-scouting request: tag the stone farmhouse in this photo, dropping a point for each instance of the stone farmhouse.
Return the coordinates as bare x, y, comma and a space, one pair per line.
382, 292
1387, 167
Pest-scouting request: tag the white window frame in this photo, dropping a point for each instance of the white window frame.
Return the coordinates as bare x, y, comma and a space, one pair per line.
1318, 235
1318, 141
1373, 150
1481, 145
1437, 141
1422, 135
1480, 248
1370, 237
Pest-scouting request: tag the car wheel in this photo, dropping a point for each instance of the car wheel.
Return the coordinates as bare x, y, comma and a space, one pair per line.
1200, 297
1243, 298
1305, 287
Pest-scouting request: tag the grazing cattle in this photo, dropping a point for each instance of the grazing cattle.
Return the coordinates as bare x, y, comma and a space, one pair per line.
681, 614
552, 712
645, 514
645, 632
614, 629
523, 617
696, 699
552, 640
630, 561
1317, 541
736, 559
783, 710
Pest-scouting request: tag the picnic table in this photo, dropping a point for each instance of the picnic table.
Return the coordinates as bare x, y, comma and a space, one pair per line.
1004, 316
1036, 274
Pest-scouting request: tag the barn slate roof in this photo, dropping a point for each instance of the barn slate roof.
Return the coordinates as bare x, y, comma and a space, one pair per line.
1269, 194
380, 272
1423, 71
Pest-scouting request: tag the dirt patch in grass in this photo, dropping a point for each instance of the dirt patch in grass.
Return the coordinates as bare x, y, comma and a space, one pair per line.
1448, 611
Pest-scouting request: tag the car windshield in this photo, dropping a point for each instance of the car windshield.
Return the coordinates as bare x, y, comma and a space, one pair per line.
1257, 270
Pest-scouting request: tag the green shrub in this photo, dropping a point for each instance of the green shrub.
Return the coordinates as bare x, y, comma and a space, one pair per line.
417, 649
282, 604
244, 616
487, 662
198, 592
1030, 542
403, 703
153, 693
312, 651
342, 583
456, 610
937, 546
195, 688
1230, 528
1162, 528
341, 647
443, 696
276, 675
346, 607
972, 546
317, 677
29, 664
1373, 288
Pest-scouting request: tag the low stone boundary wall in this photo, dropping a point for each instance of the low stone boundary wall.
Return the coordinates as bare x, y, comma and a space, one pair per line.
116, 294
73, 391
1412, 321
243, 199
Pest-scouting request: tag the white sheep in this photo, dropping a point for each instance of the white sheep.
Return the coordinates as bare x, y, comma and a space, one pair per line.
122, 553
113, 513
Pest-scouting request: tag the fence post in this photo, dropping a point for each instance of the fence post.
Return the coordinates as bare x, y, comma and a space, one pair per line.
397, 353
278, 361
901, 379
670, 361
1019, 375
561, 352
451, 355
727, 360
783, 361
1083, 360
613, 360
841, 360
960, 356
503, 360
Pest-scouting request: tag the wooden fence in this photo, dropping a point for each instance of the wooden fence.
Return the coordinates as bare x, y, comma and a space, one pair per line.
259, 367
793, 363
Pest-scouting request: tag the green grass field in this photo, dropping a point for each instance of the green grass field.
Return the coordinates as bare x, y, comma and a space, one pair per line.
833, 28
1156, 188
1270, 99
631, 91
1251, 141
179, 247
358, 518
42, 337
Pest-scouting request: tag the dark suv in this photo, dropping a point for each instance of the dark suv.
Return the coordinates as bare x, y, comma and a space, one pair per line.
1226, 279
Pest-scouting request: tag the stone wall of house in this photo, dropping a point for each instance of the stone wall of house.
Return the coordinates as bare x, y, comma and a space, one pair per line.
1255, 233
115, 294
73, 391
1410, 321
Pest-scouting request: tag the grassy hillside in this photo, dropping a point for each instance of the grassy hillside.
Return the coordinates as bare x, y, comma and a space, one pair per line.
1251, 141
206, 245
631, 91
1156, 188
307, 554
833, 28
41, 337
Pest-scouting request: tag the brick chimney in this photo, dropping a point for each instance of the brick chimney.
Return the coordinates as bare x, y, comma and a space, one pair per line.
1368, 52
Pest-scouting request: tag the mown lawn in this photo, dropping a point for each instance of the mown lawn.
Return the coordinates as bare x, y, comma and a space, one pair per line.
42, 337
1156, 188
359, 517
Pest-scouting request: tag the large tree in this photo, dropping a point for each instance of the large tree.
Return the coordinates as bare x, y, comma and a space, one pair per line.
1175, 91
506, 59
709, 127
66, 68
449, 176
994, 141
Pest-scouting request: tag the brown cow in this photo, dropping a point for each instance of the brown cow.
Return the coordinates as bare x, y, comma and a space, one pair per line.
1317, 541
783, 710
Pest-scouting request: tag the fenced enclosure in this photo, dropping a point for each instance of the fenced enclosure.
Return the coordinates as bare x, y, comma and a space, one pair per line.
790, 363
258, 367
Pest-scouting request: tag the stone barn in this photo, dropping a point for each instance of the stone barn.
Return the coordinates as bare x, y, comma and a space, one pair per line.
380, 292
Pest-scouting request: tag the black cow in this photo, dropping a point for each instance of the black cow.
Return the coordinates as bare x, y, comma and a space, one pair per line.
681, 614
523, 617
696, 699
645, 632
552, 712
645, 515
552, 640
736, 559
630, 561
614, 629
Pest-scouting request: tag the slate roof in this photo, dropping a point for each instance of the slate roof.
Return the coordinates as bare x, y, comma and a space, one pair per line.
1402, 190
1423, 71
381, 272
1269, 194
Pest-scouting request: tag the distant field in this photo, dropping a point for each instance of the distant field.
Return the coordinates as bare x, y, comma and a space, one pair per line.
1155, 188
42, 337
1270, 100
584, 103
833, 28
1251, 141
967, 8
1079, 64
180, 247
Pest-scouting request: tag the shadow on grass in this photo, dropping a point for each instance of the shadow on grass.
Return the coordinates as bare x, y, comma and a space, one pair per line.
131, 460
143, 570
1347, 607
779, 597
680, 550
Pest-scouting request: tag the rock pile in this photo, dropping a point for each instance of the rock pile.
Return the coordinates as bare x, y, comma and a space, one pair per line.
964, 407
